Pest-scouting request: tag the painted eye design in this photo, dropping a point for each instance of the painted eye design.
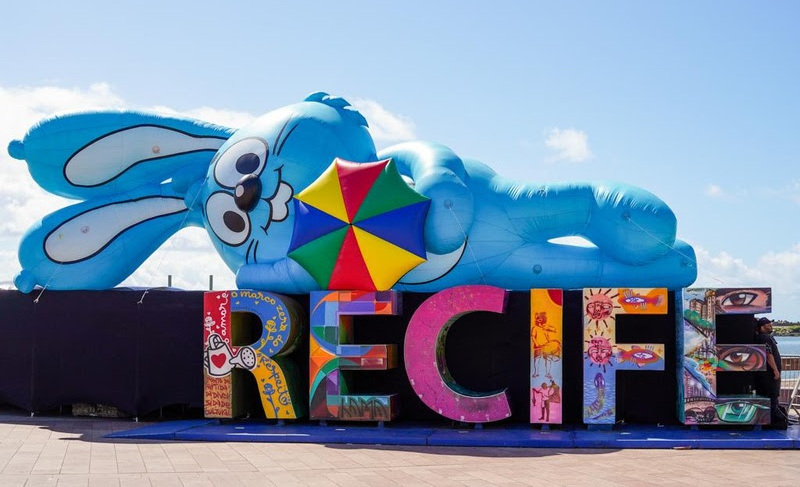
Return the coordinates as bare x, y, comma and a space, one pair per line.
738, 411
227, 221
739, 299
248, 156
741, 358
744, 300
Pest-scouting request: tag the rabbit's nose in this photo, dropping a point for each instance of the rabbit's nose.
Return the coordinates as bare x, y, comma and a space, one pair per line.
247, 192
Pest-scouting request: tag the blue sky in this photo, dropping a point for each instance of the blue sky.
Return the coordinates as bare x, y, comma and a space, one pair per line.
695, 101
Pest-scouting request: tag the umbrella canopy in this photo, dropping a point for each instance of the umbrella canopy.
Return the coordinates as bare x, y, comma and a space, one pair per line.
359, 226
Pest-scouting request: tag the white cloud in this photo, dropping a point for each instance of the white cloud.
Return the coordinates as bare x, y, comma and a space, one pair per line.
189, 258
22, 107
724, 270
8, 260
714, 191
569, 145
386, 127
779, 270
22, 202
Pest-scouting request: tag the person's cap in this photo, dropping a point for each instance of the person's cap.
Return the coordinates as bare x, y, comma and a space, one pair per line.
763, 321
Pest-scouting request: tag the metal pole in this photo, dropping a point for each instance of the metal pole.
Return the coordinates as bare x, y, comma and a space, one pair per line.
169, 280
211, 282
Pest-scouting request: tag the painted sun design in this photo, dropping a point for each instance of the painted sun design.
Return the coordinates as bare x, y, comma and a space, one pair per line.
599, 351
600, 307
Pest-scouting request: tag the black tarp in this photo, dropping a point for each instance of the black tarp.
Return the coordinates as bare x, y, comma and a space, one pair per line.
17, 318
101, 347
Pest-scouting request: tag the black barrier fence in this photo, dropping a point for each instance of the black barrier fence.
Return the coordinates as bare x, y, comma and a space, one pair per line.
102, 347
117, 349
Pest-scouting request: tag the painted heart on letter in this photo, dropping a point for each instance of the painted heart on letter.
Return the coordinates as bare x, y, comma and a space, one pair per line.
219, 360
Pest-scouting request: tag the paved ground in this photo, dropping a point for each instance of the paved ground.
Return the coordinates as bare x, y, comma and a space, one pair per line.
67, 451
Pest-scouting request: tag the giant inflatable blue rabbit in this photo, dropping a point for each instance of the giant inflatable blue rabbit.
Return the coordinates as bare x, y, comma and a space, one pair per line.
143, 176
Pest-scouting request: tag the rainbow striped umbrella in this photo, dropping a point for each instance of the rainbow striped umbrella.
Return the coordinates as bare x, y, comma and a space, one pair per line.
359, 226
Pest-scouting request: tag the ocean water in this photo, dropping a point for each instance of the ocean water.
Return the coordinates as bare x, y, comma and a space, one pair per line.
788, 345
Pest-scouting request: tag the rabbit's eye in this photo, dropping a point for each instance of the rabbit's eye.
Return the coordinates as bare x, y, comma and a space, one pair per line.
227, 221
248, 156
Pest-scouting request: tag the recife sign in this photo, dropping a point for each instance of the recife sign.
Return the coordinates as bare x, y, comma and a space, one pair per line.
333, 357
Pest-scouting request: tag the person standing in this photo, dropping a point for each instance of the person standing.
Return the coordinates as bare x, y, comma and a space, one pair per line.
544, 394
770, 380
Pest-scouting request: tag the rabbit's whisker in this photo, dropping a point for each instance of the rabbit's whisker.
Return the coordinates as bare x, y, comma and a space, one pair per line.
278, 137
283, 142
247, 256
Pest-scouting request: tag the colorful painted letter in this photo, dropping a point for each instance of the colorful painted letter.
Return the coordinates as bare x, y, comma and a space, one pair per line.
603, 356
332, 354
425, 361
546, 340
698, 402
280, 330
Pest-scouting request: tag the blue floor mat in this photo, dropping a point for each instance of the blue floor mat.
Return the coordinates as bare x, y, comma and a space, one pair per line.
627, 436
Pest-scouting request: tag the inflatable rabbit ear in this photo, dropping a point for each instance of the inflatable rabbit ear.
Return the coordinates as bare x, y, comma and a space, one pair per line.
116, 161
95, 154
96, 244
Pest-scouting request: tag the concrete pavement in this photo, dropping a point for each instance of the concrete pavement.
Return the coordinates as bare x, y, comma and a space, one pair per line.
67, 451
